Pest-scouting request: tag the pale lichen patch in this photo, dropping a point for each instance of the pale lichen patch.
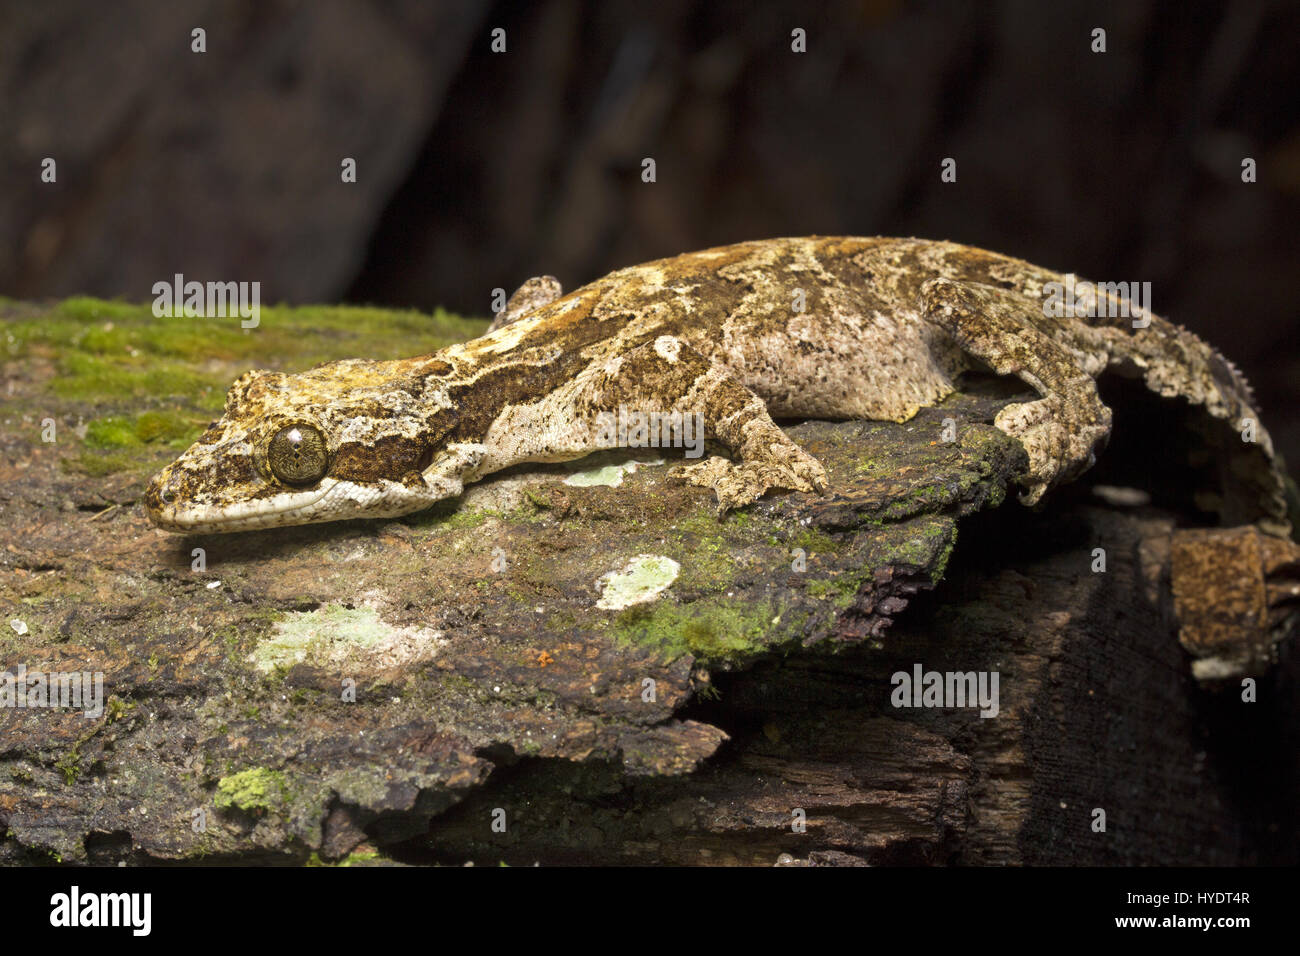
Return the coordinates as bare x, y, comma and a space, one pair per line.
335, 635
642, 579
610, 475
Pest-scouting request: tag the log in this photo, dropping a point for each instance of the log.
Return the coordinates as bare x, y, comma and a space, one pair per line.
477, 684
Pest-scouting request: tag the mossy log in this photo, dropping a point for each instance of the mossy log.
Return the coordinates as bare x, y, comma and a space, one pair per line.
581, 663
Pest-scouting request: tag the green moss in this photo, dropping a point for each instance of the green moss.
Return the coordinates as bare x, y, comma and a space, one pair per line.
86, 309
98, 464
813, 541
538, 501
94, 378
929, 544
167, 426
111, 432
458, 682
925, 542
709, 548
204, 847
118, 443
355, 858
454, 517
69, 765
710, 630
70, 762
708, 569
561, 622
255, 790
117, 709
840, 590
172, 373
941, 562
527, 512
109, 351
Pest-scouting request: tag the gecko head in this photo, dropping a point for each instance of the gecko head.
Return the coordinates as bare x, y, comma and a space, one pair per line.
344, 440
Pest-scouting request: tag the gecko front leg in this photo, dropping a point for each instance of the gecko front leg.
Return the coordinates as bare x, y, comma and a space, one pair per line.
739, 419
532, 295
662, 376
1063, 430
457, 464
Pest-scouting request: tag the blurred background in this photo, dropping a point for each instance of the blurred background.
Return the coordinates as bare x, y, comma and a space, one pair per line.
478, 169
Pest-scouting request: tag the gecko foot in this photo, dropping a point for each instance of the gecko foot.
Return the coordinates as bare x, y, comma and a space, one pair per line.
1061, 445
737, 485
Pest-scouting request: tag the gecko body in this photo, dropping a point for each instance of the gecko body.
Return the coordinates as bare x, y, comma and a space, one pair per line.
817, 327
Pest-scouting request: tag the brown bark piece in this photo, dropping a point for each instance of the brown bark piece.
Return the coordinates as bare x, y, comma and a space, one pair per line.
1235, 595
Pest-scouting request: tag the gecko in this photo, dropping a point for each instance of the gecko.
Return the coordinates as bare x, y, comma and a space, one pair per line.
742, 335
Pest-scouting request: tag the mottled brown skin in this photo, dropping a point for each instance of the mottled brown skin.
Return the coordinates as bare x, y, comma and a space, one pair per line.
786, 328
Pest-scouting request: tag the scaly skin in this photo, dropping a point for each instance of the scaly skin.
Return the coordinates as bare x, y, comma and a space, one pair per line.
885, 327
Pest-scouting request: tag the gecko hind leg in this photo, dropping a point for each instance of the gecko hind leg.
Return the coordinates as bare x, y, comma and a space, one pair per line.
1062, 431
669, 375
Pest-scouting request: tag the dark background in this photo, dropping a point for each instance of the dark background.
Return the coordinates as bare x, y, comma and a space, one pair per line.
478, 170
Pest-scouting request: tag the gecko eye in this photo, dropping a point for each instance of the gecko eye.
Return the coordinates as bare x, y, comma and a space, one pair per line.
297, 455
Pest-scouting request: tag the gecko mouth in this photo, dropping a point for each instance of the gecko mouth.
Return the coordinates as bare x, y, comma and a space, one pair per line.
332, 500
170, 510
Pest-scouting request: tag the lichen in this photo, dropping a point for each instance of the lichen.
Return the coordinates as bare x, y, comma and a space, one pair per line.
608, 475
642, 579
334, 635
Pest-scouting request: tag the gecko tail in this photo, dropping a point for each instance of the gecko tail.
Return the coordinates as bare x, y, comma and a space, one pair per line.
1174, 362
